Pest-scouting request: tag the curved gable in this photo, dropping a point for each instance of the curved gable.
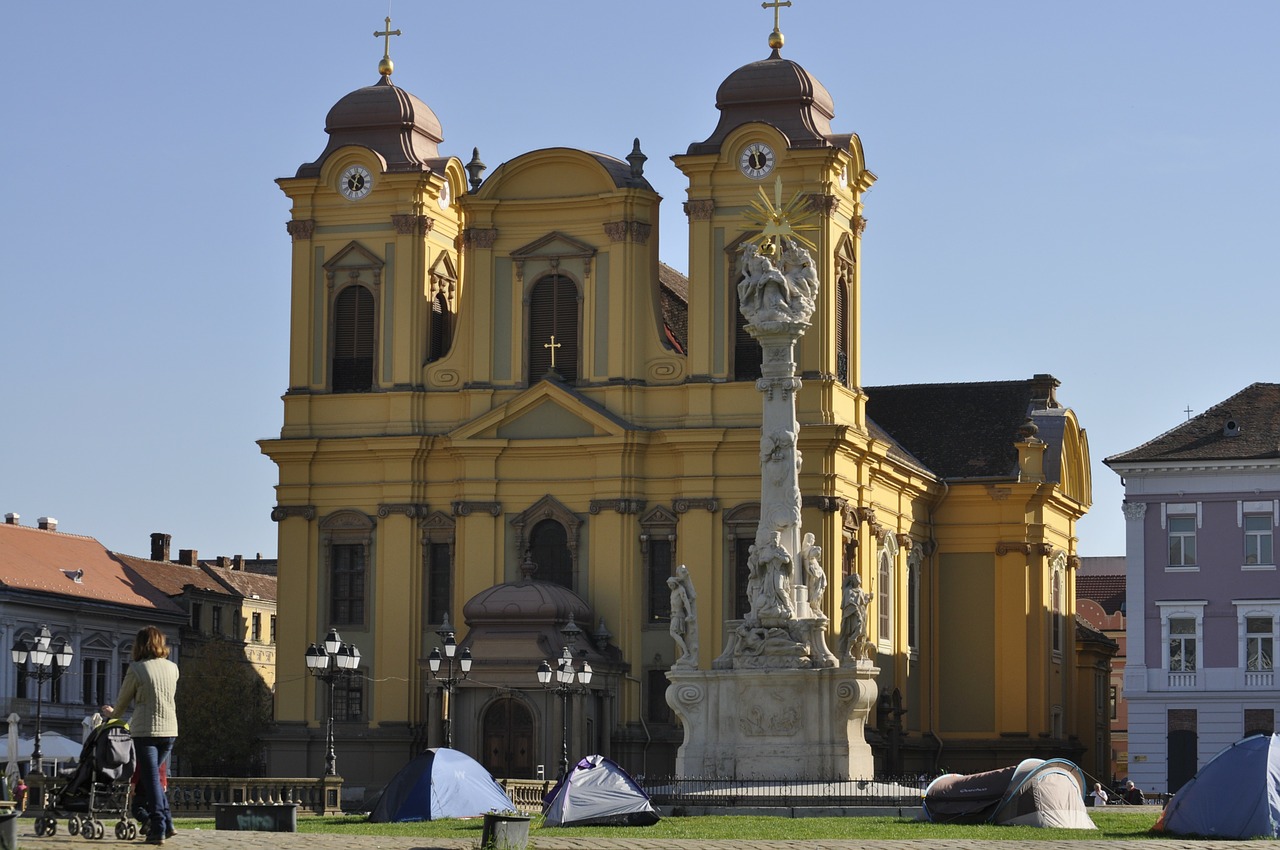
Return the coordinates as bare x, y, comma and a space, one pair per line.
555, 173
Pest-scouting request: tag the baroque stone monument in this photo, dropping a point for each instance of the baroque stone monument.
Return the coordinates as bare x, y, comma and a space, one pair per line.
777, 703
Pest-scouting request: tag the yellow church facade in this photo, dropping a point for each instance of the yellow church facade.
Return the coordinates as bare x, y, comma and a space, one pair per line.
506, 416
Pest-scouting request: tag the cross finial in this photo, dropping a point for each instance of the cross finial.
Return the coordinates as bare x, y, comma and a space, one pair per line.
1188, 411
385, 67
775, 37
553, 345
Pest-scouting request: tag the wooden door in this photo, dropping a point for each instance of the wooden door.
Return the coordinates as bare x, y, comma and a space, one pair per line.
508, 740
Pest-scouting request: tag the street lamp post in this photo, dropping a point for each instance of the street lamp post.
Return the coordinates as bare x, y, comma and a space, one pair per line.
48, 665
330, 663
448, 682
565, 675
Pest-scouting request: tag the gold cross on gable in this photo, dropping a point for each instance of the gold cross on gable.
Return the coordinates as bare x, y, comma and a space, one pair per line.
553, 345
386, 34
775, 5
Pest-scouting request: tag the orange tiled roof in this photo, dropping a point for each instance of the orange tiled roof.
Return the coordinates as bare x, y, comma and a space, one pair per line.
38, 561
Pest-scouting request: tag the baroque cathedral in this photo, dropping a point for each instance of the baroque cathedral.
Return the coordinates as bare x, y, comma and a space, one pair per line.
507, 419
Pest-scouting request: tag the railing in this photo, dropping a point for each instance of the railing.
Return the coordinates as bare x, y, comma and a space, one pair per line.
527, 794
784, 793
1182, 681
1259, 679
196, 796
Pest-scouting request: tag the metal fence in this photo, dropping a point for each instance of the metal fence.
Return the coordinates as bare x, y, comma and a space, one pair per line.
784, 793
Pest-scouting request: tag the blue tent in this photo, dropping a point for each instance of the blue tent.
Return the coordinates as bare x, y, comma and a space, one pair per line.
1235, 795
440, 783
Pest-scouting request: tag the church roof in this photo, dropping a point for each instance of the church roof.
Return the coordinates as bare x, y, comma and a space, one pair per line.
387, 120
773, 91
673, 289
965, 430
1246, 426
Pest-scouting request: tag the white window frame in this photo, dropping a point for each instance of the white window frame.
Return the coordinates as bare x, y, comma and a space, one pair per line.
1269, 513
1058, 605
886, 595
1176, 610
1245, 609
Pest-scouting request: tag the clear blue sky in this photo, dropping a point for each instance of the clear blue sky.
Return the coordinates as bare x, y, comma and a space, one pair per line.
1087, 189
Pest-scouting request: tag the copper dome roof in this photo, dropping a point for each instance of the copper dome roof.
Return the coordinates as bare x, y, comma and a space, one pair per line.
389, 121
773, 91
526, 601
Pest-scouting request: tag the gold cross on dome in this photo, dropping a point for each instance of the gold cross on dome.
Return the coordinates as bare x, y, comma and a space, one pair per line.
553, 345
775, 5
386, 34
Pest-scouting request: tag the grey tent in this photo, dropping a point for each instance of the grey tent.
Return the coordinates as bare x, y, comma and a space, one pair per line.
1035, 792
440, 783
596, 792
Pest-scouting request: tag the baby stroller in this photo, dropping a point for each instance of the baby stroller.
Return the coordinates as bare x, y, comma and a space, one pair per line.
98, 785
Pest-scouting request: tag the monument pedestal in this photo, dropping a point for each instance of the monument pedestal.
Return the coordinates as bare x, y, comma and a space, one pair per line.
774, 723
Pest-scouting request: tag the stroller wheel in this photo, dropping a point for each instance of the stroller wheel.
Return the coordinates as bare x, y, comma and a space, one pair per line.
50, 826
122, 830
133, 830
99, 830
73, 825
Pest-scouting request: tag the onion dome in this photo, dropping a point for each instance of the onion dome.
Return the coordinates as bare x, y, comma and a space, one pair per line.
773, 91
387, 120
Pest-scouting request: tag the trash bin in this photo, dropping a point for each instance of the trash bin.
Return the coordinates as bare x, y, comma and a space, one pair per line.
9, 831
505, 832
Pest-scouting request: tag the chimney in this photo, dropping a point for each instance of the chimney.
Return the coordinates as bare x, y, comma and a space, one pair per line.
160, 546
237, 563
47, 523
11, 519
187, 557
224, 561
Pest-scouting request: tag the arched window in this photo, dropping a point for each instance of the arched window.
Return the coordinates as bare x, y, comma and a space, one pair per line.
441, 327
353, 344
842, 332
553, 328
884, 590
549, 548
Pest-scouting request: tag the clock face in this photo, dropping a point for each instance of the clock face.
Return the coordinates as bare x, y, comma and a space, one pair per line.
355, 183
756, 160
446, 196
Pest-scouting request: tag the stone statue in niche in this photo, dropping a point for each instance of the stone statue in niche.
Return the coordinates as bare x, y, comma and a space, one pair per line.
853, 625
815, 575
769, 579
684, 617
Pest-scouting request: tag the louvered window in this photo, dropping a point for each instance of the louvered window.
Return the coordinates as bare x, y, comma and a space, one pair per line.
553, 327
747, 353
842, 332
346, 584
549, 549
353, 327
441, 327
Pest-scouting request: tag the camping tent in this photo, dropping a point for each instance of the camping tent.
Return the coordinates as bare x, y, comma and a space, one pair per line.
440, 783
1235, 795
1035, 792
596, 792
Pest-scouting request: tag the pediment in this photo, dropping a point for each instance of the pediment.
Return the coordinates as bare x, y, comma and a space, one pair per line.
443, 267
354, 255
546, 411
556, 245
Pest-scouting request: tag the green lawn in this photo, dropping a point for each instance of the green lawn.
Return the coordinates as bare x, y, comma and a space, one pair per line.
1119, 824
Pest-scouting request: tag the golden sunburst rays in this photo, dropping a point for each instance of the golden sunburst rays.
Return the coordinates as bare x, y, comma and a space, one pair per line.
777, 220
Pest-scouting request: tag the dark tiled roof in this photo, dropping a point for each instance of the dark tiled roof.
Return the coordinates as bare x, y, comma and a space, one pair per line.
1107, 591
673, 288
1256, 412
169, 577
964, 430
248, 585
1084, 631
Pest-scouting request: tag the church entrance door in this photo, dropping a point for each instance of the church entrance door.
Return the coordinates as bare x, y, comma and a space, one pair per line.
508, 740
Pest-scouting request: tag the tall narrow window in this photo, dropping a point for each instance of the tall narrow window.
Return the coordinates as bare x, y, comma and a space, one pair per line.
348, 698
1257, 539
747, 353
346, 584
885, 596
842, 332
1182, 541
549, 548
257, 627
439, 581
441, 327
553, 328
914, 561
353, 351
1259, 644
1182, 645
1055, 609
197, 616
217, 619
657, 548
656, 708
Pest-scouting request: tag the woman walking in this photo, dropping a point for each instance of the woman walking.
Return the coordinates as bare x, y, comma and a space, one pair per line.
148, 688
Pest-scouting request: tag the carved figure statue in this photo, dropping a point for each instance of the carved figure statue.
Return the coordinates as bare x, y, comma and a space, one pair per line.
684, 617
772, 567
853, 611
769, 293
817, 578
